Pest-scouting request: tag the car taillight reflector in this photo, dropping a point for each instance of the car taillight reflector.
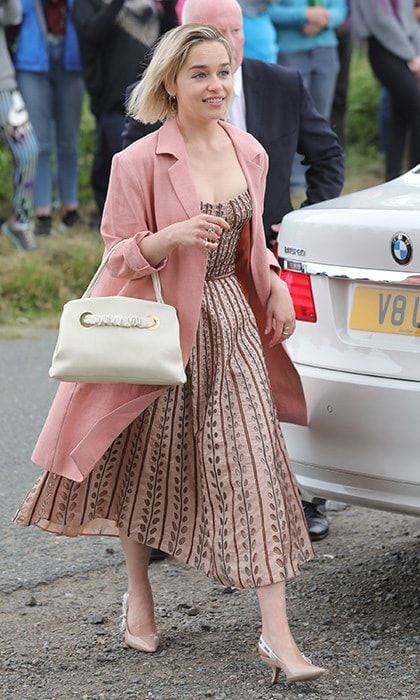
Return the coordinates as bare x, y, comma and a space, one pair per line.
300, 289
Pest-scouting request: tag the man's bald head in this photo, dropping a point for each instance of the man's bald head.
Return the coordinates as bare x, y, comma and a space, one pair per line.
197, 10
226, 15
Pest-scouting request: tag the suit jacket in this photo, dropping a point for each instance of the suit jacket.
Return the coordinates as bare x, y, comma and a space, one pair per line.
151, 188
280, 114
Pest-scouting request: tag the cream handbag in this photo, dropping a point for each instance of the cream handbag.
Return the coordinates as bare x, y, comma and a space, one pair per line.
118, 339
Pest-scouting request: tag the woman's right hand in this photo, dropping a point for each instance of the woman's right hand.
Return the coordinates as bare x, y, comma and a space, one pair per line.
203, 230
317, 16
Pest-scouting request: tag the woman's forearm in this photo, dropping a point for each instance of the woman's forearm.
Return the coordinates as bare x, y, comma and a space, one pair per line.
157, 246
276, 281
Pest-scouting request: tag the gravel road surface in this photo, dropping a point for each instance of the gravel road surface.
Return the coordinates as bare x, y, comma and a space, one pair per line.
355, 609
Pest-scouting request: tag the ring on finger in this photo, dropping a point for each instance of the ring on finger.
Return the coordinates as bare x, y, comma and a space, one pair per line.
211, 229
286, 330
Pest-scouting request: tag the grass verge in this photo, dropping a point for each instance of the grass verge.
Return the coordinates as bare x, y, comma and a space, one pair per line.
34, 287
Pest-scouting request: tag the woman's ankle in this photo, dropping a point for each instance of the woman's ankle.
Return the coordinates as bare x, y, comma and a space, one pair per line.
281, 642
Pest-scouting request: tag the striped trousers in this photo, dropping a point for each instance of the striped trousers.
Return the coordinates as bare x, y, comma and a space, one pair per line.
17, 133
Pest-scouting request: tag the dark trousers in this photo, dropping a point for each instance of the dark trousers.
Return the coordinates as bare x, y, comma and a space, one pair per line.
404, 92
109, 126
339, 107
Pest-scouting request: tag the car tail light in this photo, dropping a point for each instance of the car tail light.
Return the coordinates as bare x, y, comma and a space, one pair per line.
300, 289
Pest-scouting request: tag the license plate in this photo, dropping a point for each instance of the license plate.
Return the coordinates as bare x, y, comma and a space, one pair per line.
386, 311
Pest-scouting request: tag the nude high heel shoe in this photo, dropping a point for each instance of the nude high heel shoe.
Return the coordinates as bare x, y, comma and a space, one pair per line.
267, 655
148, 642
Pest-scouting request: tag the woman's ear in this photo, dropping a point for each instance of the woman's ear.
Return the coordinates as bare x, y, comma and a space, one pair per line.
170, 88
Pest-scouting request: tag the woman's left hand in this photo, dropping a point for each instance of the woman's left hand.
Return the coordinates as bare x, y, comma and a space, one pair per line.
281, 320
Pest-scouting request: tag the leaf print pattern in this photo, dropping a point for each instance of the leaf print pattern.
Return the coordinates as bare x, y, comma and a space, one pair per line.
203, 472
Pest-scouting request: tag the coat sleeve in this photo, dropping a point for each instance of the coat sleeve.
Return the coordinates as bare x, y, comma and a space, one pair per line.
287, 16
338, 11
271, 258
322, 152
125, 218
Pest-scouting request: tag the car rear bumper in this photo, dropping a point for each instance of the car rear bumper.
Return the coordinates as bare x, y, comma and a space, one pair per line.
362, 444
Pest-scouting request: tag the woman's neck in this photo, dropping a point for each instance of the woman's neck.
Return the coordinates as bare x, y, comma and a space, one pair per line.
201, 135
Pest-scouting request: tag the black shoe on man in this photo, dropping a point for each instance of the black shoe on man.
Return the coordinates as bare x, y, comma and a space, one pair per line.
157, 555
316, 520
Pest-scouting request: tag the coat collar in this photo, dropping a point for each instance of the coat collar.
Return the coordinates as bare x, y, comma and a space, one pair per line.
170, 141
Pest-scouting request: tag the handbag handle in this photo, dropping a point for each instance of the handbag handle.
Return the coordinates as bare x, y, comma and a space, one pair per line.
155, 277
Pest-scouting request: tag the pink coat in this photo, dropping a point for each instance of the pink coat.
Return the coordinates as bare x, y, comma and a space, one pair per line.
151, 188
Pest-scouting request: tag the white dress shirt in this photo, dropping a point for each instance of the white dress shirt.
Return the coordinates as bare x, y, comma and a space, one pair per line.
237, 113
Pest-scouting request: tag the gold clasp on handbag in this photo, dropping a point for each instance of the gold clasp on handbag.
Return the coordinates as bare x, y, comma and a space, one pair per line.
148, 323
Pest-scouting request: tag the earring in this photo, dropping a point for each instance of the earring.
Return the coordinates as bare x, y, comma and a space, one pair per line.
172, 102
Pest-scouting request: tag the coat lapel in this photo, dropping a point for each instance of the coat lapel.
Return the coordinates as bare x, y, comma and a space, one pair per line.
249, 158
170, 142
183, 186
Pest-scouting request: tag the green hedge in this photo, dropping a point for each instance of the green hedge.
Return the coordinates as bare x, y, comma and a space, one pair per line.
363, 100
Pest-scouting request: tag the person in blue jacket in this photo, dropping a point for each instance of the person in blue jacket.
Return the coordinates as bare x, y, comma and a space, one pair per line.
260, 34
49, 76
308, 43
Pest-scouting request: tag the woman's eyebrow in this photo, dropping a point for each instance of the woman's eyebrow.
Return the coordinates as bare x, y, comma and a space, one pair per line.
221, 65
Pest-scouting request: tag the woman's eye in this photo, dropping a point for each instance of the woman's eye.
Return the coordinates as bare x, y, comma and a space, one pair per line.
199, 75
225, 73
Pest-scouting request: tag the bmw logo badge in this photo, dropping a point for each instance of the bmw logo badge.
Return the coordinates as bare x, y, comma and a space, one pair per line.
401, 249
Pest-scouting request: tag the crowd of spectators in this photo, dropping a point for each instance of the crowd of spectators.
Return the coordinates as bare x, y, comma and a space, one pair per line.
53, 51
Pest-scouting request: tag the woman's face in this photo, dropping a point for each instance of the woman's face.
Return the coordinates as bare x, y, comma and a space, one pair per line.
204, 84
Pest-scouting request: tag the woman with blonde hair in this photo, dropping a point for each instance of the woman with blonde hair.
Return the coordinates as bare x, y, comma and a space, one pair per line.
198, 470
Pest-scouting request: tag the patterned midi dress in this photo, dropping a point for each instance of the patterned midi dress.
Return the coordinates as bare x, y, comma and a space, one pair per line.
203, 472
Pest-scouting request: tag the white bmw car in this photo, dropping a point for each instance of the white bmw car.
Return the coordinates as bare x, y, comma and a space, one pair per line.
353, 268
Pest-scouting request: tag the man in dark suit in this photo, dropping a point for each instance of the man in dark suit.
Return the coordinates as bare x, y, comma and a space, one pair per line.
272, 104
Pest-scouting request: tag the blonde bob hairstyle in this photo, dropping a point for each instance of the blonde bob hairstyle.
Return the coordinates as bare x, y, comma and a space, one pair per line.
150, 100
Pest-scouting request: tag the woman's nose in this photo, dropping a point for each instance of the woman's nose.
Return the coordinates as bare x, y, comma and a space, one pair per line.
214, 83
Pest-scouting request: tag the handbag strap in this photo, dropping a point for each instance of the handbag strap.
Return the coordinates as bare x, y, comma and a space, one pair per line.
155, 277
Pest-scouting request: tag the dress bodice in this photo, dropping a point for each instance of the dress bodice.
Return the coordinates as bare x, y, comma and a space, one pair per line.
237, 212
